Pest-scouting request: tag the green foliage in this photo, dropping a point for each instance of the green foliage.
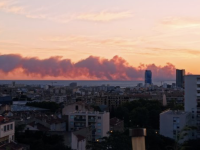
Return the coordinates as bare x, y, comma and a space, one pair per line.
155, 141
182, 134
142, 113
191, 145
139, 117
52, 106
174, 106
122, 141
116, 141
96, 108
41, 141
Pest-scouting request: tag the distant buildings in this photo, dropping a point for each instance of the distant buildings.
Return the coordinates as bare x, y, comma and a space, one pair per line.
180, 78
148, 77
112, 101
73, 84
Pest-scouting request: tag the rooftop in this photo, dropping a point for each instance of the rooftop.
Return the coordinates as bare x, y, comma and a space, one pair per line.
88, 112
174, 112
26, 108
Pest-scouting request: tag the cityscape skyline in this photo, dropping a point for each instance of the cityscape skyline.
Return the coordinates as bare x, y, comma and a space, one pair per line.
133, 31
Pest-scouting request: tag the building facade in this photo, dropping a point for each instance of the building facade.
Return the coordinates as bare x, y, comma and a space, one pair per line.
7, 132
99, 121
180, 78
172, 122
112, 101
192, 99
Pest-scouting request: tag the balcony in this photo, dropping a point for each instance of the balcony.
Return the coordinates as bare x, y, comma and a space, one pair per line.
198, 94
91, 120
79, 125
79, 120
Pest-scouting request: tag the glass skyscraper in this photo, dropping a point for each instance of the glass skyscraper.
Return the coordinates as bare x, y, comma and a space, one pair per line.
148, 77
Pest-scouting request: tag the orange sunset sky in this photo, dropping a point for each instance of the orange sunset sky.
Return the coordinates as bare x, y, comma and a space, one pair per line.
98, 39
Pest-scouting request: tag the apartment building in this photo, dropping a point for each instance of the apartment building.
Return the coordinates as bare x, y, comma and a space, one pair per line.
7, 131
99, 121
77, 106
192, 99
172, 122
112, 101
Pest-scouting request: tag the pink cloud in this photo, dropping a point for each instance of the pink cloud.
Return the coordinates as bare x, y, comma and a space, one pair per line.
93, 68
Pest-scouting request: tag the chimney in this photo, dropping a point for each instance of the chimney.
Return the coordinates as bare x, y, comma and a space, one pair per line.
138, 138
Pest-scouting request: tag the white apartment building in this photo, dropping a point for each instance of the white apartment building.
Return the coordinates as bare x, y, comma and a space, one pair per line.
98, 120
7, 132
192, 99
172, 122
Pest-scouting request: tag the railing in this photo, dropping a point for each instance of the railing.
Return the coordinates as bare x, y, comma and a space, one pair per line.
91, 120
80, 125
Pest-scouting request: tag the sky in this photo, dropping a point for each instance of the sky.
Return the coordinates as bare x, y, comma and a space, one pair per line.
92, 39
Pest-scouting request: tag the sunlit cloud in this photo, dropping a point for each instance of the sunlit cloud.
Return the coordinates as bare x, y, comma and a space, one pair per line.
104, 16
92, 67
181, 22
11, 6
175, 52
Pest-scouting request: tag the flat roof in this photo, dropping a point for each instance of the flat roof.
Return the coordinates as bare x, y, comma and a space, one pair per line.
15, 108
175, 112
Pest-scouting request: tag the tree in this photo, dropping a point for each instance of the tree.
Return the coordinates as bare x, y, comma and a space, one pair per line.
139, 117
116, 141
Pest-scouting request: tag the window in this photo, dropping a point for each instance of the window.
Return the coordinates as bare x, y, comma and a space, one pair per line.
99, 117
99, 130
11, 126
76, 108
174, 126
176, 119
72, 117
174, 132
192, 134
72, 123
8, 127
98, 137
98, 124
4, 128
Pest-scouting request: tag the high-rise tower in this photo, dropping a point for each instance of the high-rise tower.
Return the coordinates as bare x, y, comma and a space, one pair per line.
148, 77
180, 78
